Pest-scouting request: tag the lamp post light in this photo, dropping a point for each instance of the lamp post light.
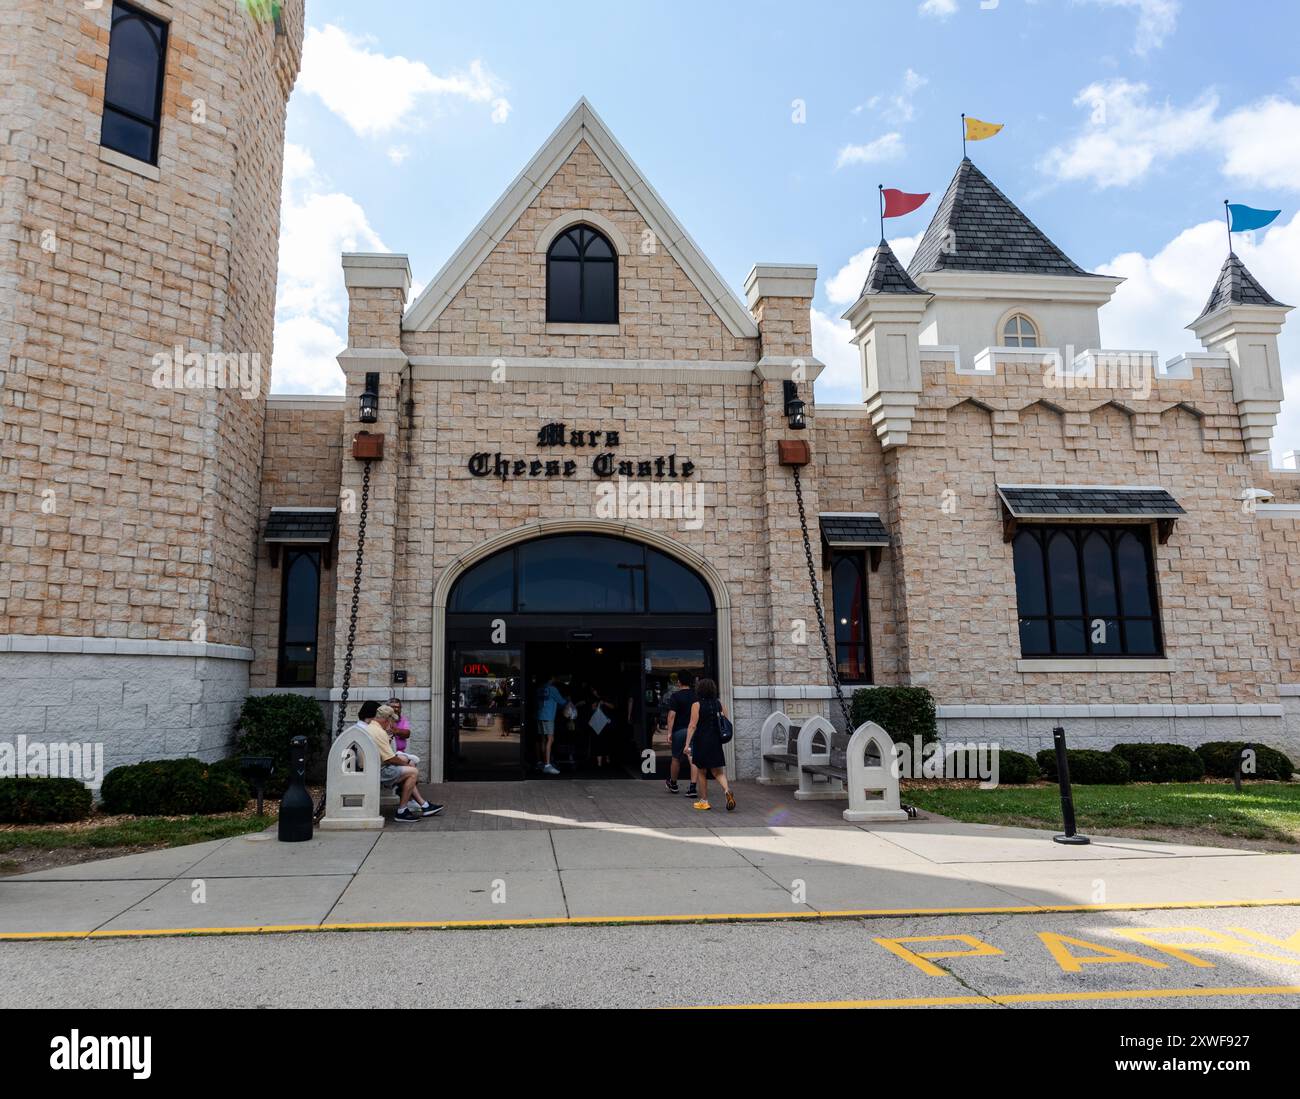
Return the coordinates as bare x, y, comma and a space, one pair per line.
795, 408
370, 400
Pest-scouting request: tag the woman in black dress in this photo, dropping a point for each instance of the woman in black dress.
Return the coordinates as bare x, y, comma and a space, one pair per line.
704, 743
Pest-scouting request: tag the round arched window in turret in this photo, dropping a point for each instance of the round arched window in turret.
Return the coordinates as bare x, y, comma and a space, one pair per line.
1019, 331
581, 278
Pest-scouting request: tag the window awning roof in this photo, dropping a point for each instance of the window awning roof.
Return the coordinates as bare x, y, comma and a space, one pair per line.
853, 530
1118, 503
301, 526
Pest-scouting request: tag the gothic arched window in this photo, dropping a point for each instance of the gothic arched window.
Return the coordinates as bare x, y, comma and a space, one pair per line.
581, 278
1019, 331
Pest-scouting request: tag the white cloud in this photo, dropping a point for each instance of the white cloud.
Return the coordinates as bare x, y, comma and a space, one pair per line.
1167, 291
897, 106
1156, 21
938, 9
888, 147
398, 154
375, 93
1127, 134
316, 227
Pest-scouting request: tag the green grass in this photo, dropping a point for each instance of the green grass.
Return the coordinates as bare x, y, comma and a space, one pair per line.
139, 832
1262, 811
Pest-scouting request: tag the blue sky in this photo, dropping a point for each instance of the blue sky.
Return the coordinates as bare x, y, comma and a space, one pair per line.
1127, 124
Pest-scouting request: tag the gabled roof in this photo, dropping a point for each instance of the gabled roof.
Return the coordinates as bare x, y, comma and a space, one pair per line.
581, 124
1236, 286
977, 228
853, 530
886, 275
1090, 502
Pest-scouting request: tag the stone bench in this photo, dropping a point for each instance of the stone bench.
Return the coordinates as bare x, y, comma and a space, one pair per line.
354, 795
833, 764
778, 742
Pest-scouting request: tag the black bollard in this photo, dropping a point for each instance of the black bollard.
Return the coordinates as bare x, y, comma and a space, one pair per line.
1246, 749
1071, 837
296, 808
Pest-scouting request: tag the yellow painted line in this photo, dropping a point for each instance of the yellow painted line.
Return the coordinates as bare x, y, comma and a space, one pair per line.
615, 921
1023, 998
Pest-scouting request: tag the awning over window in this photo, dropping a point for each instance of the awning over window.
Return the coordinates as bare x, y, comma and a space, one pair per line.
1073, 503
858, 530
301, 527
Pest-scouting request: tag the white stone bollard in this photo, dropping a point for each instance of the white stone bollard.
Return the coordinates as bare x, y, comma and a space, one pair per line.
873, 787
352, 795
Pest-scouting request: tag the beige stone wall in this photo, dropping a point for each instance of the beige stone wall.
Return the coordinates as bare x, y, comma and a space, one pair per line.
501, 311
303, 468
150, 494
957, 581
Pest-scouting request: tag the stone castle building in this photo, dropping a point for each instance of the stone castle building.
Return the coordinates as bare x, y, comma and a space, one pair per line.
579, 454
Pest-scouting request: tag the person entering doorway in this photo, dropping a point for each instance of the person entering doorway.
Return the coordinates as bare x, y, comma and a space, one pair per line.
704, 743
549, 700
680, 704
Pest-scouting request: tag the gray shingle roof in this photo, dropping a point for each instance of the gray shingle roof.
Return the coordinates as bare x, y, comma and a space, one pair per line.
1236, 286
887, 276
1068, 501
306, 526
854, 531
988, 232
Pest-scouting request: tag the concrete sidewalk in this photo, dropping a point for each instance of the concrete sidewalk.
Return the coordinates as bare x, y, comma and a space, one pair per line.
601, 870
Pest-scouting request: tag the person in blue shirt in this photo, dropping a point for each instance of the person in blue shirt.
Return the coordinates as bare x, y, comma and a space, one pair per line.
549, 700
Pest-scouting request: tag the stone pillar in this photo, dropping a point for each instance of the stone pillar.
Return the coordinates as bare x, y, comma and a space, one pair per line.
780, 298
377, 286
1248, 334
887, 330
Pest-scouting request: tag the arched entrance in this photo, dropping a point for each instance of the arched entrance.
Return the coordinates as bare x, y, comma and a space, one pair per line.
615, 612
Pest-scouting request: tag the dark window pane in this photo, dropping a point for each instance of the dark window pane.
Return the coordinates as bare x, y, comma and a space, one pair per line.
1071, 639
1099, 575
675, 589
134, 59
1063, 564
1031, 587
488, 588
566, 247
581, 575
1035, 639
563, 304
599, 295
300, 614
126, 135
1105, 637
1134, 575
1142, 639
847, 594
598, 248
852, 664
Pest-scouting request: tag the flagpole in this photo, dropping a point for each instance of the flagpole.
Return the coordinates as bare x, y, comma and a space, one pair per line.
963, 135
882, 213
1227, 214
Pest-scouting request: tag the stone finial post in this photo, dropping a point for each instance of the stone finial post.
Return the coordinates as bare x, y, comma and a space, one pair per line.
887, 331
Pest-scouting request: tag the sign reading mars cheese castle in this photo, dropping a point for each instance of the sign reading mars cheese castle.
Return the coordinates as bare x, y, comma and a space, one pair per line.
578, 456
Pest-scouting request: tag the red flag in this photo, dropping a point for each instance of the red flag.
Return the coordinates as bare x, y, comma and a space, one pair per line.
898, 203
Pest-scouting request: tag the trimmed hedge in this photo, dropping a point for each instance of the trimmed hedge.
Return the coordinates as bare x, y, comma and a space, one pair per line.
903, 712
1220, 759
267, 725
1016, 768
43, 800
174, 788
1087, 767
1160, 762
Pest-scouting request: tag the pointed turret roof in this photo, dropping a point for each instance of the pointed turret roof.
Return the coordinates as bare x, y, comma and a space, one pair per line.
1236, 286
886, 275
989, 231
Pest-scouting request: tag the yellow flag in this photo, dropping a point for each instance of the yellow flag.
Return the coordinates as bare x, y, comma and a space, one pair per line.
978, 131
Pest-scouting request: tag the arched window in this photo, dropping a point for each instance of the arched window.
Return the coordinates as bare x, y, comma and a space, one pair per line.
1019, 331
133, 84
581, 278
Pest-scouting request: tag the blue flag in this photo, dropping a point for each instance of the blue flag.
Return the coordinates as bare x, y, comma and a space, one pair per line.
1246, 218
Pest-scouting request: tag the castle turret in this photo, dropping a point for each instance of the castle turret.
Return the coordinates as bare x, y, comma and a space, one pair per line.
1243, 320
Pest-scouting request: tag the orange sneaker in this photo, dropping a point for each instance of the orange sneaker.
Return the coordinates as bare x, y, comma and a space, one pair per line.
703, 806
731, 801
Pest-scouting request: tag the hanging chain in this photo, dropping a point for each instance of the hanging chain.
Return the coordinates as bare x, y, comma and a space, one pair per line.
831, 665
352, 621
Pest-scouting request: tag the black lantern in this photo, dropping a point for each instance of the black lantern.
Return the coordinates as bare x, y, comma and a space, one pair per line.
794, 407
370, 400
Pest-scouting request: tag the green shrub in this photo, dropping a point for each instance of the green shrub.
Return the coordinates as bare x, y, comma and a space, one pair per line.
1220, 759
1087, 767
1016, 768
268, 724
173, 788
903, 712
43, 800
1161, 762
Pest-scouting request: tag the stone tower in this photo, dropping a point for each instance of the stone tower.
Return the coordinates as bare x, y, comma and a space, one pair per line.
138, 253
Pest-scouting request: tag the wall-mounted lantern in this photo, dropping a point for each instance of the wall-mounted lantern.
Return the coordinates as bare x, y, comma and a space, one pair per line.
794, 407
370, 400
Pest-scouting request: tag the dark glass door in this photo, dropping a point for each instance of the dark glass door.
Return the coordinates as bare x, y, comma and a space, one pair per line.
485, 731
664, 670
